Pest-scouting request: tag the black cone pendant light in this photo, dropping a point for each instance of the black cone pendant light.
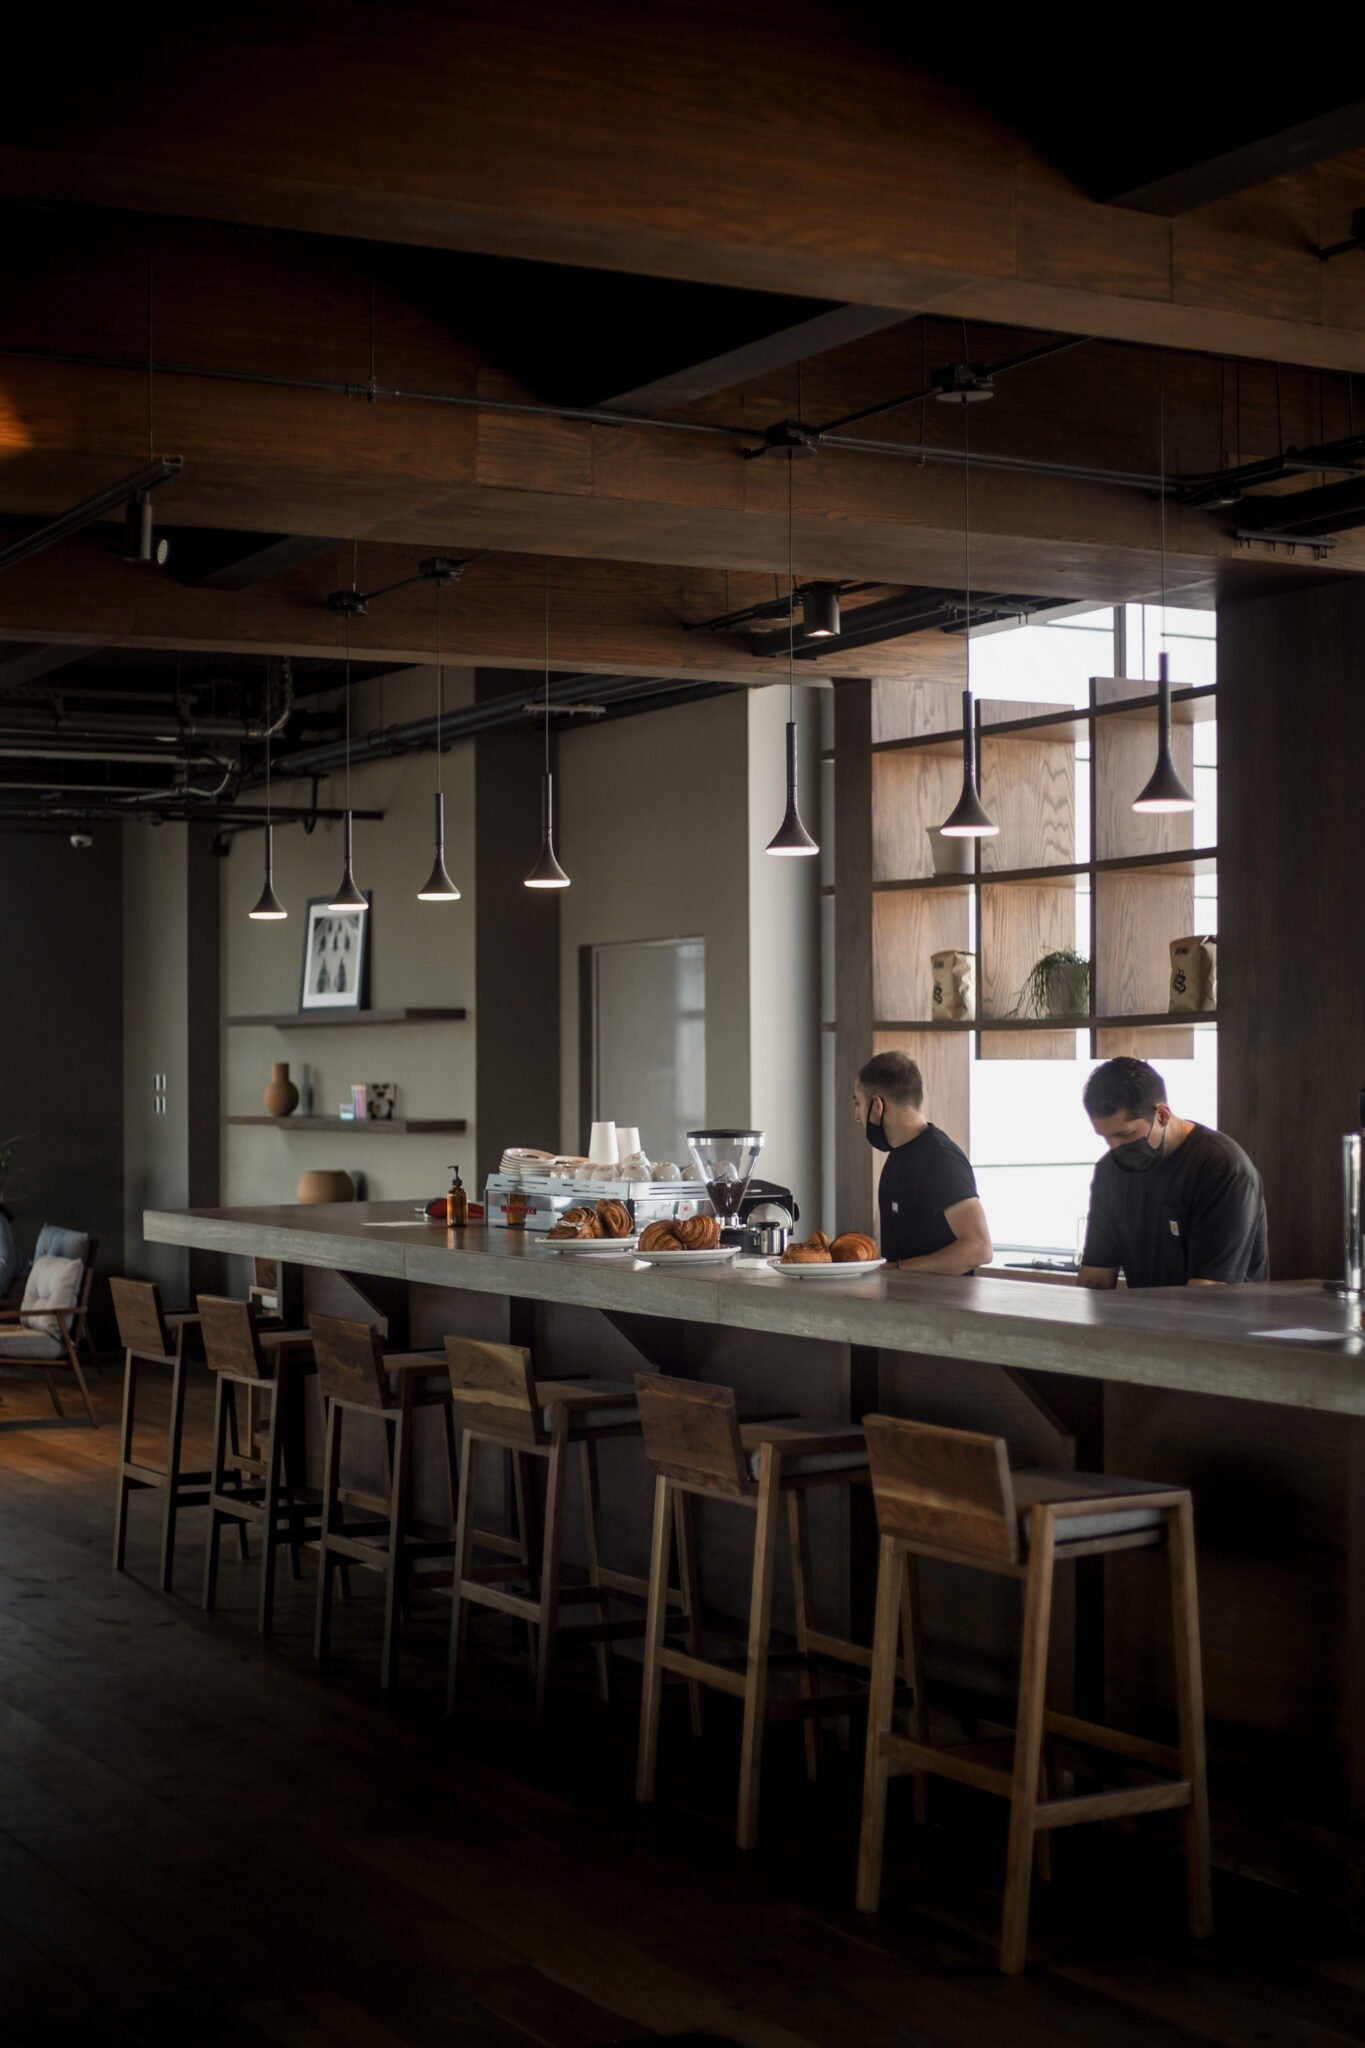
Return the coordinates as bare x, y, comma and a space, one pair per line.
348, 897
547, 873
970, 819
1166, 791
791, 839
268, 904
438, 887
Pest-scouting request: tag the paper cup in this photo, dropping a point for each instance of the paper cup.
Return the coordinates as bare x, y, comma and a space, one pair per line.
602, 1145
627, 1140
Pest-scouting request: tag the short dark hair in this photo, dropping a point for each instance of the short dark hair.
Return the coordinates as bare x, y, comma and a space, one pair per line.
894, 1077
1125, 1087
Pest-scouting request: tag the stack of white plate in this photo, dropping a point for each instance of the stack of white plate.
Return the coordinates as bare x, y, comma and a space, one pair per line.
520, 1159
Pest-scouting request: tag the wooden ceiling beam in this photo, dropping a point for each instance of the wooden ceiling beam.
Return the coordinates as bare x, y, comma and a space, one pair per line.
673, 143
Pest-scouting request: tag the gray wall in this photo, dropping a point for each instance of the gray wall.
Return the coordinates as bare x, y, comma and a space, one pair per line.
61, 1034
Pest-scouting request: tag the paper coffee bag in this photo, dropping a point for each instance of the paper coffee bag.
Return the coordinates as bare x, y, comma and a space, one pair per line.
953, 999
1194, 974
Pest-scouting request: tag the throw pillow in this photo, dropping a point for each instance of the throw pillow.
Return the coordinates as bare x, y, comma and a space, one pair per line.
52, 1284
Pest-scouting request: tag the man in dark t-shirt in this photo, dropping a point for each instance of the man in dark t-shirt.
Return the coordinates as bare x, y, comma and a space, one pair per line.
1172, 1204
931, 1218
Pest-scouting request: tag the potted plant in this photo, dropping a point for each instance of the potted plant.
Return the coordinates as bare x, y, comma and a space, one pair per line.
1058, 985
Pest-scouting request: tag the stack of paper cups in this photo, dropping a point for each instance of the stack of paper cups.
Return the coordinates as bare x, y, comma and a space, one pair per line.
602, 1145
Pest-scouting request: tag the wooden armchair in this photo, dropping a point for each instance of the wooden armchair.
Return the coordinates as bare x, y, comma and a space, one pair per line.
25, 1341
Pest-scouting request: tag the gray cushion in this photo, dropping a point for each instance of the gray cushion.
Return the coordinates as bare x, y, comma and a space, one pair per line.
1039, 1484
56, 1243
29, 1344
819, 1461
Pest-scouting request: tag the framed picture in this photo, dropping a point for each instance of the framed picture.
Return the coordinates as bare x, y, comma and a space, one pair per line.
336, 958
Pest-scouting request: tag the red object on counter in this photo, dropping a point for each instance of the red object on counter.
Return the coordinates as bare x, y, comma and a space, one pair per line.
436, 1210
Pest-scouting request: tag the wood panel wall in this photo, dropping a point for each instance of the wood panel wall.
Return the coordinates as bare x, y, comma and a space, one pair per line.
1291, 711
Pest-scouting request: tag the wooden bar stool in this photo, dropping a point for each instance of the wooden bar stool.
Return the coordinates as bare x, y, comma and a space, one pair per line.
949, 1494
697, 1446
498, 1401
268, 1492
151, 1337
357, 1378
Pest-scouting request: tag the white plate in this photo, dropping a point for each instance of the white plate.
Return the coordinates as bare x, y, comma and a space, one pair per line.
588, 1245
850, 1269
718, 1255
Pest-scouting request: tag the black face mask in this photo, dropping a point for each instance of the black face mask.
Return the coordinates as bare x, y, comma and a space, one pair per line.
1140, 1156
876, 1133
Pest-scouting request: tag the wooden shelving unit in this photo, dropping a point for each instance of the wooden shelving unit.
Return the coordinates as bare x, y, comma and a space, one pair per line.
391, 1127
898, 771
306, 1020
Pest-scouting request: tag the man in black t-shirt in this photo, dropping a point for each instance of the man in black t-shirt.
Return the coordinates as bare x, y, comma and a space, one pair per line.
1173, 1204
931, 1218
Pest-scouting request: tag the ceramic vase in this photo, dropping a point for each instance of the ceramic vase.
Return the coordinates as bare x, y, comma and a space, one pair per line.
281, 1098
323, 1186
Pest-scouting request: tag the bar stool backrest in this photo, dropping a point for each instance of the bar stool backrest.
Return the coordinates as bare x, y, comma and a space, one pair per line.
942, 1489
350, 1360
493, 1388
691, 1432
141, 1321
231, 1336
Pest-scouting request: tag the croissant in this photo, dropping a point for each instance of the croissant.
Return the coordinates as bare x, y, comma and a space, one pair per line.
698, 1233
614, 1219
853, 1245
807, 1254
564, 1228
817, 1242
660, 1237
580, 1213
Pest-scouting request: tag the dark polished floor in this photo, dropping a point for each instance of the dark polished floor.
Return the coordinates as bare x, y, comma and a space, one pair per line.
206, 1841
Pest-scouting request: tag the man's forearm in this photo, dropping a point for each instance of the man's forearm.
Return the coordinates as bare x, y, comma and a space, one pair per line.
960, 1257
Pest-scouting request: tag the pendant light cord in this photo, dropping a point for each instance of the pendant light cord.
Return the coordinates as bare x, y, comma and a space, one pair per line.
547, 664
267, 753
791, 595
967, 525
355, 572
151, 381
440, 689
1161, 433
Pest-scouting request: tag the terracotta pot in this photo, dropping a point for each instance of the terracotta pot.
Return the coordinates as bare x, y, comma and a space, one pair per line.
281, 1098
323, 1186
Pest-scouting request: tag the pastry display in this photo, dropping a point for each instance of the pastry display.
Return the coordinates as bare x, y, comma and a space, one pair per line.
660, 1237
697, 1233
853, 1245
613, 1219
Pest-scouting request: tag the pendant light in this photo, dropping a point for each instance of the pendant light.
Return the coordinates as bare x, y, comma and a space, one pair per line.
791, 839
547, 873
268, 904
1166, 791
970, 819
348, 897
438, 887
820, 611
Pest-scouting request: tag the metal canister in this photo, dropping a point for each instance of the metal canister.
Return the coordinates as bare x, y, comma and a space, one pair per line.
770, 1239
1353, 1278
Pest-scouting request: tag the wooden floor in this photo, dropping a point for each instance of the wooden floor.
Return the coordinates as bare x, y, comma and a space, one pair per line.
210, 1843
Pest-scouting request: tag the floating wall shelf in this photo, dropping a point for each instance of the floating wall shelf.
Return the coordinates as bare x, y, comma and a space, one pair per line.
378, 1127
304, 1020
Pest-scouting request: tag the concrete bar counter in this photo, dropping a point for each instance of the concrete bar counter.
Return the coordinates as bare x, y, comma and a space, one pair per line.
1209, 1387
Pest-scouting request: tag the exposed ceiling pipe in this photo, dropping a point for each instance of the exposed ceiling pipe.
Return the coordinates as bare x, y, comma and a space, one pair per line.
511, 710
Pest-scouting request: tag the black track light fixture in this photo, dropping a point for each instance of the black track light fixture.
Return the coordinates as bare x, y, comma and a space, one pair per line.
820, 611
141, 541
547, 873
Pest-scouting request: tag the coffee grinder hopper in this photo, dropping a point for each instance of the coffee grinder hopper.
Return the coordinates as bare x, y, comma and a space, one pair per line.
726, 1161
